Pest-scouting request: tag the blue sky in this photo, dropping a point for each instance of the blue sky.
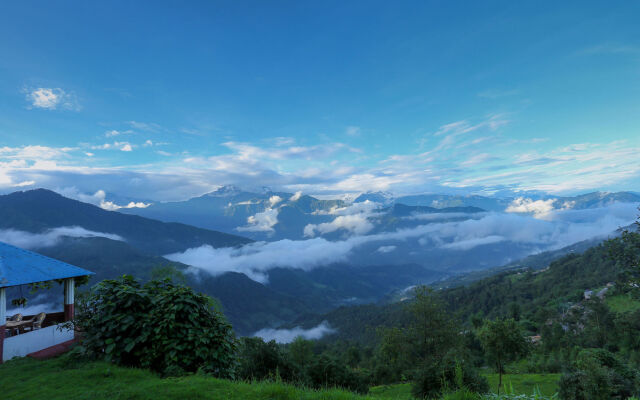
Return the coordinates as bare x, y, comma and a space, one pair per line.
164, 100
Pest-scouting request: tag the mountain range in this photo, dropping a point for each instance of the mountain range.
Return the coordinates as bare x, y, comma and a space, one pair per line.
270, 215
311, 255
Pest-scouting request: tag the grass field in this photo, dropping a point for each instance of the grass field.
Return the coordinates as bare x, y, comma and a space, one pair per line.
62, 378
400, 391
28, 379
521, 384
526, 383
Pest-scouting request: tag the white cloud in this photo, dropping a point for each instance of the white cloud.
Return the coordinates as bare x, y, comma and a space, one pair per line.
477, 159
24, 184
35, 152
51, 237
352, 131
363, 207
566, 227
145, 126
441, 216
122, 146
353, 219
467, 244
357, 224
386, 249
289, 335
539, 208
261, 222
246, 152
256, 258
98, 199
296, 196
113, 133
51, 99
273, 200
457, 160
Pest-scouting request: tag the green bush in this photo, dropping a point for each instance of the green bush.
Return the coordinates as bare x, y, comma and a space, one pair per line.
165, 327
598, 374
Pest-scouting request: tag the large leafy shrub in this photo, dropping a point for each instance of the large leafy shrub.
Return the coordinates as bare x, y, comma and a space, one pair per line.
165, 327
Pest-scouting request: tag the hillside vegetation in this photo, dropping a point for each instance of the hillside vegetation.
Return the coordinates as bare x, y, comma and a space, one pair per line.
530, 295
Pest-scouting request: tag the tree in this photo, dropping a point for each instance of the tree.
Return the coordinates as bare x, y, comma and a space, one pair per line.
301, 352
433, 332
263, 360
625, 251
432, 347
167, 328
503, 342
598, 375
326, 371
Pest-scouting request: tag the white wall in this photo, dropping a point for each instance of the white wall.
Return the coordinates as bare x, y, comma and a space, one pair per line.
30, 342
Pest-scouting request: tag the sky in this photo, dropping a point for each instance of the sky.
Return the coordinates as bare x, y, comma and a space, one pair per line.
169, 100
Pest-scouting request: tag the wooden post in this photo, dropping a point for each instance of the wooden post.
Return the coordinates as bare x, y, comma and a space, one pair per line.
69, 286
3, 319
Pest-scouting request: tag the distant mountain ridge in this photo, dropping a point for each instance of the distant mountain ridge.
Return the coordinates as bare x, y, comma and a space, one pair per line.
399, 244
228, 209
130, 244
39, 210
271, 215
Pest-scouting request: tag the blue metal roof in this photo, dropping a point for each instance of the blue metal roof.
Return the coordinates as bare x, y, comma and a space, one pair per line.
20, 267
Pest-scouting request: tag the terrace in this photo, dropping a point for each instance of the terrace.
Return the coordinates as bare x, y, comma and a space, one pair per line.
22, 335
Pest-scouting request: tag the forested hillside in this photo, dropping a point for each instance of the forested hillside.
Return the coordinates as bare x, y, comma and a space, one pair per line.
528, 294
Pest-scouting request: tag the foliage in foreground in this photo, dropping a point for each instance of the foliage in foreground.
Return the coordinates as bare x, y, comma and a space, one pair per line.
64, 378
161, 326
71, 378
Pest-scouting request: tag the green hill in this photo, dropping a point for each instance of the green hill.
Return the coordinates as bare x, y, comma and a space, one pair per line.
533, 294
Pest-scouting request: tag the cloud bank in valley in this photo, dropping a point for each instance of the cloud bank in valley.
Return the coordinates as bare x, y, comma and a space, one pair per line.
289, 335
353, 219
51, 237
559, 229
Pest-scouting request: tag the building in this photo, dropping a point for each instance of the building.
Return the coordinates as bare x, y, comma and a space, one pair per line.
22, 267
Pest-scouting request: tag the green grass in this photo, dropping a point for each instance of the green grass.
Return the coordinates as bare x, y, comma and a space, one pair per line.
521, 383
622, 303
63, 378
58, 379
526, 383
400, 391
